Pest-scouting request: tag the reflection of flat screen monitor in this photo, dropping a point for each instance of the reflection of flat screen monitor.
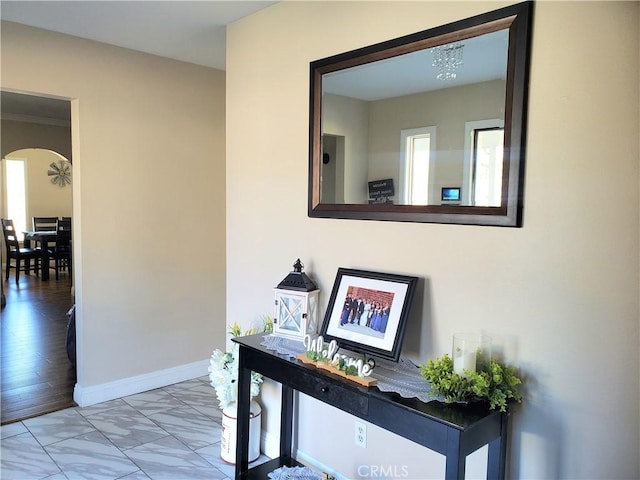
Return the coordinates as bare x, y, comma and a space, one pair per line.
451, 194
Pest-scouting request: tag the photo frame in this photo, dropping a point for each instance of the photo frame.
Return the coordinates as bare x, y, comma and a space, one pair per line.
368, 311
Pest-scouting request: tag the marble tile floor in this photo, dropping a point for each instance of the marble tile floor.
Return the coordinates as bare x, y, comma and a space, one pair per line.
171, 433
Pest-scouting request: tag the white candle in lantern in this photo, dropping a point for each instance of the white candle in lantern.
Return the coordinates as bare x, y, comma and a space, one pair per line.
463, 360
470, 352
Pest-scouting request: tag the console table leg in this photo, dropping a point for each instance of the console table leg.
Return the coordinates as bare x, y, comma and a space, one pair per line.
286, 421
497, 460
244, 406
456, 463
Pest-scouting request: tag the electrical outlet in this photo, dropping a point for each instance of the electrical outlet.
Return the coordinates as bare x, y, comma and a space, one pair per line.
361, 434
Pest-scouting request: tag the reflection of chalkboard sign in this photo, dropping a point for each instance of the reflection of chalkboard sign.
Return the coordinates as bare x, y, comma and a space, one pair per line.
381, 191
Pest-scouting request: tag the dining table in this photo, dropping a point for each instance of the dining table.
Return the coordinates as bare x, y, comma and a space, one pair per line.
45, 239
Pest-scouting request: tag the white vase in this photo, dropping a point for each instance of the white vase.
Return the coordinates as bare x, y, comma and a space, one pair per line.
230, 428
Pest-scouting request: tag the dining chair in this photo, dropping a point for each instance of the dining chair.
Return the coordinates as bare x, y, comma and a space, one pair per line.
21, 256
62, 250
44, 224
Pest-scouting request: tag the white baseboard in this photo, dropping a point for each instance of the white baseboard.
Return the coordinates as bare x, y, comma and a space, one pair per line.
85, 396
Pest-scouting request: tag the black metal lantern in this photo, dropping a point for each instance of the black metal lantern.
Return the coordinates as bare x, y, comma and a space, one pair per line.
296, 305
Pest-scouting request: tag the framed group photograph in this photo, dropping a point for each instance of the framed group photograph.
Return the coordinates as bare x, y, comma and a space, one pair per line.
367, 312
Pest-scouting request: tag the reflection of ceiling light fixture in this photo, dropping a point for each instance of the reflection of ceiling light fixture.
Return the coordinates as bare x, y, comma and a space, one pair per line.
447, 58
60, 173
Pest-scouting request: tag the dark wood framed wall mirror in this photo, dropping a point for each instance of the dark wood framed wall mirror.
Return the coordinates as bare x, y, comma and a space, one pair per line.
429, 127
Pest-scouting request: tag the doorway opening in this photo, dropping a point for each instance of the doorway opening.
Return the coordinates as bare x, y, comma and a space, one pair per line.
37, 374
483, 158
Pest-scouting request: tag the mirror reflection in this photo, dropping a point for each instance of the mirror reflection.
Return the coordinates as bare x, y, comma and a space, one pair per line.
423, 128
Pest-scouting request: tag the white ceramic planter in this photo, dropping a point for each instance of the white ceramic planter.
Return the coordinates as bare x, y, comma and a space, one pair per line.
230, 428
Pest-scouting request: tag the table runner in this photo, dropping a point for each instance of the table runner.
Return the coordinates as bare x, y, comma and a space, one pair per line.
402, 377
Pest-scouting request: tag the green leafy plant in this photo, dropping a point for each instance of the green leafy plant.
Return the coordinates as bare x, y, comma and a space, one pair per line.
497, 383
313, 355
266, 327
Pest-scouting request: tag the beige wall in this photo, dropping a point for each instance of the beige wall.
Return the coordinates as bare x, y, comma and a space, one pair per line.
18, 135
148, 194
559, 294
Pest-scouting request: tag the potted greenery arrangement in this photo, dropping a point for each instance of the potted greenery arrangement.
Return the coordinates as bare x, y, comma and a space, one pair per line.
223, 373
493, 382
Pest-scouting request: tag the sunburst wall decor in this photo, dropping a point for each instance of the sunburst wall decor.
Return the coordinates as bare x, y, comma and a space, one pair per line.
60, 173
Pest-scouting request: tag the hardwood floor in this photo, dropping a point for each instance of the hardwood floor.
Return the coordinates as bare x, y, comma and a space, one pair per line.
37, 376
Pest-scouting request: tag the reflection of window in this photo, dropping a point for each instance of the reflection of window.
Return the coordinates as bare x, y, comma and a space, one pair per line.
16, 193
417, 145
487, 166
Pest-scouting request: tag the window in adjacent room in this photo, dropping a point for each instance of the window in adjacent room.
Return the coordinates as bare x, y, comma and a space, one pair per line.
16, 190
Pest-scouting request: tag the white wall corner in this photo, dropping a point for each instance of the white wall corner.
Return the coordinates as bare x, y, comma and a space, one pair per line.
85, 396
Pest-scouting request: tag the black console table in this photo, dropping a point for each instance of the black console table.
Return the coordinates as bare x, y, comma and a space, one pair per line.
453, 431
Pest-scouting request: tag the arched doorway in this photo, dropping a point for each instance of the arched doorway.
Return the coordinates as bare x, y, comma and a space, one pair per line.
32, 188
